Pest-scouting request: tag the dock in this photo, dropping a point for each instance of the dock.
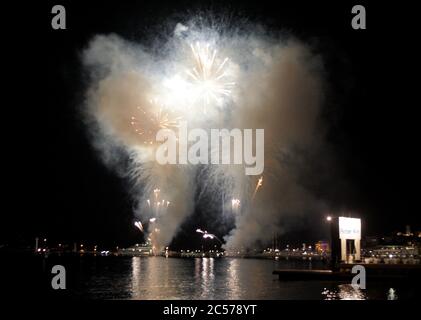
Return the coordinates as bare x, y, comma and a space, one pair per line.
381, 272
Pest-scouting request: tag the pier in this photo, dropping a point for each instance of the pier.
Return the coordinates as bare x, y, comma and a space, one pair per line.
382, 272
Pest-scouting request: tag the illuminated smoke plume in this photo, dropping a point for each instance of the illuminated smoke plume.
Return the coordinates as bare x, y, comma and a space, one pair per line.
211, 78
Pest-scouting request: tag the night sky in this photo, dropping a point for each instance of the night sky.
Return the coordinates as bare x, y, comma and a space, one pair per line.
58, 187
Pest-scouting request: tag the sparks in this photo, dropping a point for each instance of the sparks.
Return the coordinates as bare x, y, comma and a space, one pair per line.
148, 122
259, 184
139, 225
207, 235
156, 193
208, 76
235, 204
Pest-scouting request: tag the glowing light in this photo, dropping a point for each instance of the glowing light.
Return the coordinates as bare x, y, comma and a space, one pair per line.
235, 204
139, 225
258, 185
156, 207
156, 193
207, 235
329, 218
150, 120
208, 76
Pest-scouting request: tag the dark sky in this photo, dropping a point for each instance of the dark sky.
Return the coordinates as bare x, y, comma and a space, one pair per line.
59, 188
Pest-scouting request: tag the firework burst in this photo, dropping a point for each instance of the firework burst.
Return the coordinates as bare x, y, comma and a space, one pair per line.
148, 122
209, 75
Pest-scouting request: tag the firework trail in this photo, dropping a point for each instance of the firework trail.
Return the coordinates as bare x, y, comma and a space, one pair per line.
258, 185
139, 225
207, 235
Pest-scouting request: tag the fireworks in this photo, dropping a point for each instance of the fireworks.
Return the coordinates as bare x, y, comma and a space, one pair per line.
208, 81
139, 225
148, 122
241, 80
208, 76
235, 203
259, 184
158, 205
156, 208
207, 235
156, 193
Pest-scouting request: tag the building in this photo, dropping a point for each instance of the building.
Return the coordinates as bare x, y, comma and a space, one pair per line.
392, 254
322, 247
144, 249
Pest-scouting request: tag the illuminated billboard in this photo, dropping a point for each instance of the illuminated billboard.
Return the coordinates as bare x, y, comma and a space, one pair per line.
349, 228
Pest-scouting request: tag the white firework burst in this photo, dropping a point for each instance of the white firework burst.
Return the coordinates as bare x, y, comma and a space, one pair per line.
209, 74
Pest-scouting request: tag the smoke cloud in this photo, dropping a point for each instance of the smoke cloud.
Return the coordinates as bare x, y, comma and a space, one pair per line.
278, 87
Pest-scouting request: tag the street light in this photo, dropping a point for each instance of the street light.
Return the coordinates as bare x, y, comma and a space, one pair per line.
334, 248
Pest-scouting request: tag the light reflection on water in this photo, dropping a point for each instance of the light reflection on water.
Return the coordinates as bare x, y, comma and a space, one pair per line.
214, 278
344, 292
207, 276
233, 281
